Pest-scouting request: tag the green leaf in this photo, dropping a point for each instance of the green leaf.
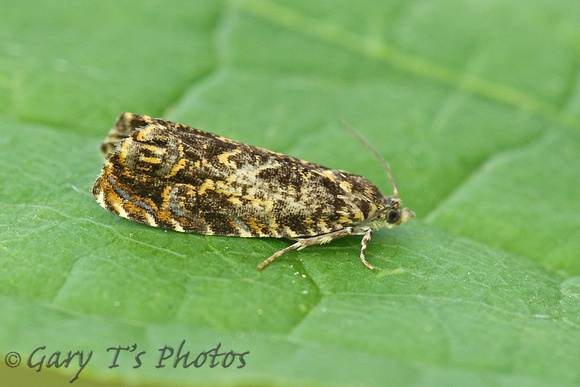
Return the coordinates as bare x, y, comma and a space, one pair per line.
474, 105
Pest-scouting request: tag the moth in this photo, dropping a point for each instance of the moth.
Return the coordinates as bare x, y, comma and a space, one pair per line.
172, 176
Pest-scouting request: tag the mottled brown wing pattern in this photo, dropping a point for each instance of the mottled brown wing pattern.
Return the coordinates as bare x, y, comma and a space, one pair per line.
184, 179
176, 177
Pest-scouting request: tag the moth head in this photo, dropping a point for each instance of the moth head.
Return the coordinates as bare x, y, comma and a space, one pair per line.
392, 215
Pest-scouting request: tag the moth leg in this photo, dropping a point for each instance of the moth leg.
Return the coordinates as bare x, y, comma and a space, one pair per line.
302, 243
363, 250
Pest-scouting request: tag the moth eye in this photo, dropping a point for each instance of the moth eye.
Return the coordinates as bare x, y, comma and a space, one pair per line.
393, 216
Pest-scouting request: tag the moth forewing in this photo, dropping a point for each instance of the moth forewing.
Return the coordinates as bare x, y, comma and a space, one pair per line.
176, 177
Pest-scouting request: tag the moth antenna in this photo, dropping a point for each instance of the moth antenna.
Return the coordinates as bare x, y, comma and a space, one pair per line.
358, 135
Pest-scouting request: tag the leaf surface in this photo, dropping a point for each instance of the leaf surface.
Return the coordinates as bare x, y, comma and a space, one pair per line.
473, 103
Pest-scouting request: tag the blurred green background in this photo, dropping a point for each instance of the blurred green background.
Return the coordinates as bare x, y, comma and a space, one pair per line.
475, 104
